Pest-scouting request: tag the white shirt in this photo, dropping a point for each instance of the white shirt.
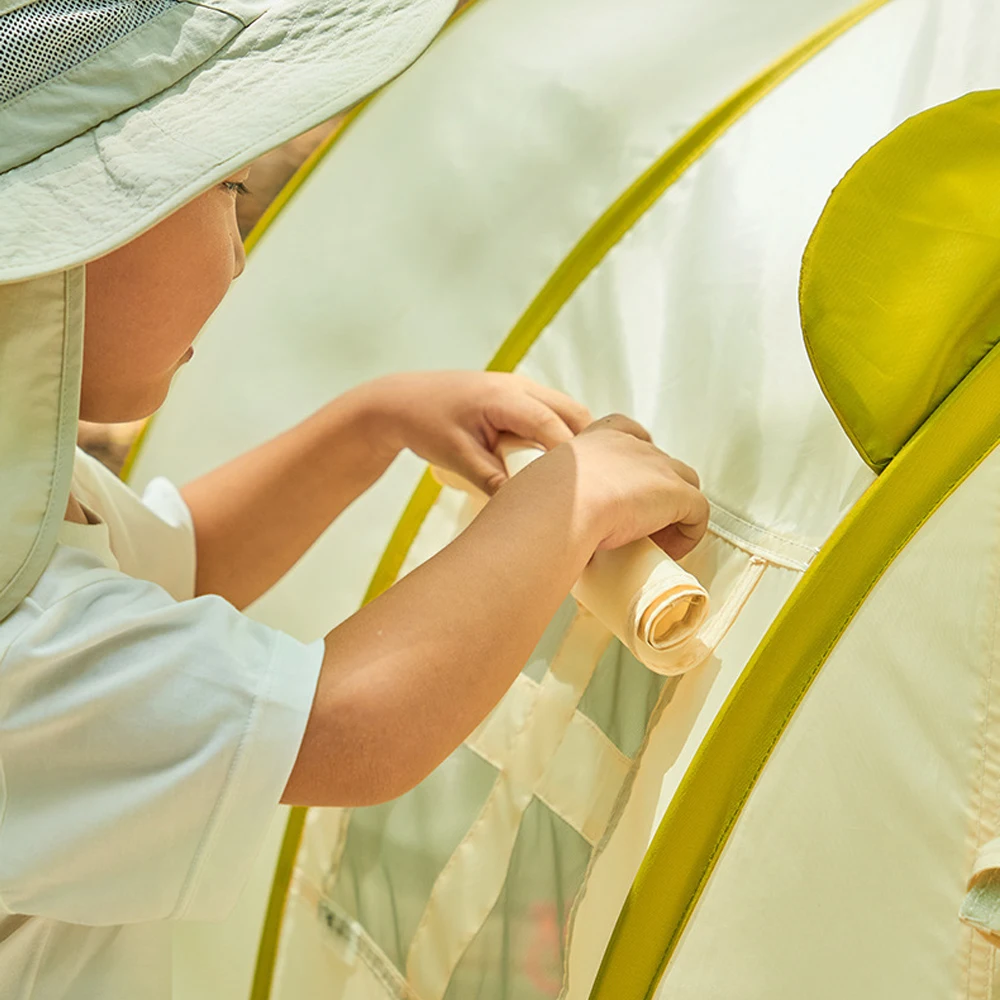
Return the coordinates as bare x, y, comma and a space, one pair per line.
146, 737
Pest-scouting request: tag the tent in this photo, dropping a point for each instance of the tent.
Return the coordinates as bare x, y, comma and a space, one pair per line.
615, 199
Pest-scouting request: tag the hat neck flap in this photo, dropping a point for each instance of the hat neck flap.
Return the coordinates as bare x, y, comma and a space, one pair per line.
41, 354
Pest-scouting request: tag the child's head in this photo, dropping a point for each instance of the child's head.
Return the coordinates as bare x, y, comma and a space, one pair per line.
114, 135
147, 300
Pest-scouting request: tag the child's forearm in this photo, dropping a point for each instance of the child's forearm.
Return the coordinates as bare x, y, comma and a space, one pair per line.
257, 515
406, 679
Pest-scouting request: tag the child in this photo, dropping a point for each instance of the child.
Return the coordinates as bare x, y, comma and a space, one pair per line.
147, 727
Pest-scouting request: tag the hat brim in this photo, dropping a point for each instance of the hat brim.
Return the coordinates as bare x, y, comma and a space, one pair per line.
292, 68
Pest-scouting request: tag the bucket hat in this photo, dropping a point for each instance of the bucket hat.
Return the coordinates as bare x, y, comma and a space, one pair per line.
114, 113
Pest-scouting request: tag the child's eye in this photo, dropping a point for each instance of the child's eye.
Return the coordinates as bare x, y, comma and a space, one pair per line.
236, 187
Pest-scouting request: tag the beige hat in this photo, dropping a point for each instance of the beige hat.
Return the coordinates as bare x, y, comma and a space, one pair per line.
114, 113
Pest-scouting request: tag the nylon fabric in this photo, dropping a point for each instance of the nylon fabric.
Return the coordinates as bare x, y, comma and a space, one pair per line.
165, 47
702, 813
877, 794
475, 873
924, 201
393, 853
375, 876
43, 39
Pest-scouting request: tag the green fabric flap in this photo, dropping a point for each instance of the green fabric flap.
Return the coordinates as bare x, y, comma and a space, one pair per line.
900, 290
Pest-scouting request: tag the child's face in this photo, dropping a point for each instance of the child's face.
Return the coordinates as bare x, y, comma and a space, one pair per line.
147, 300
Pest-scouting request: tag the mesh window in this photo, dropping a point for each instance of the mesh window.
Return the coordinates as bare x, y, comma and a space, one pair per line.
621, 697
519, 952
395, 852
43, 39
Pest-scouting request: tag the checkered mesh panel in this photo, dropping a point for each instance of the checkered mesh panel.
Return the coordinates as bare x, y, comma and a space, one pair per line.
43, 39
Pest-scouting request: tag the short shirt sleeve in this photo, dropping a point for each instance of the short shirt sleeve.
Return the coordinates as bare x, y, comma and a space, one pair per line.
145, 743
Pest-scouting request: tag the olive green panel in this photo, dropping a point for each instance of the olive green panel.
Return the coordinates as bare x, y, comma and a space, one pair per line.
900, 290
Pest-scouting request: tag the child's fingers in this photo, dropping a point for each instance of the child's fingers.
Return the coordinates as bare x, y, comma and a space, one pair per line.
531, 419
686, 473
480, 467
575, 415
691, 523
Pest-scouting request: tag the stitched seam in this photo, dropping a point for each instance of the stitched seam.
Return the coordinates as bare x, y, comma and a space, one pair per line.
741, 591
984, 745
757, 551
220, 10
553, 807
783, 540
45, 609
369, 951
610, 745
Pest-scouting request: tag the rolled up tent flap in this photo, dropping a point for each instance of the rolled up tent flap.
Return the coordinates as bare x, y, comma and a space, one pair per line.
649, 602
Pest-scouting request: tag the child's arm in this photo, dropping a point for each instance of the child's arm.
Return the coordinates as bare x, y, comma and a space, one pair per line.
257, 515
407, 678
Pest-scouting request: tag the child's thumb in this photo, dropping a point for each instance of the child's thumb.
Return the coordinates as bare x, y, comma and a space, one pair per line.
482, 468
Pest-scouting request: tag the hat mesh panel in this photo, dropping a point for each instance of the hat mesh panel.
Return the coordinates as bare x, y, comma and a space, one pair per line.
44, 39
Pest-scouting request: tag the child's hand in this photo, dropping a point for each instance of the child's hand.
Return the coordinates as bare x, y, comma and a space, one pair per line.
453, 419
629, 489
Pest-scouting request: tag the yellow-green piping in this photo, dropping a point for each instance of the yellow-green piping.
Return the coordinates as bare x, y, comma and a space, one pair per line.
701, 815
423, 499
646, 190
267, 949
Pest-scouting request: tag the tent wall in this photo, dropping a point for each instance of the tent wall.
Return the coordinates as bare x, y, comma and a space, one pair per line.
538, 138
845, 873
583, 123
516, 144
